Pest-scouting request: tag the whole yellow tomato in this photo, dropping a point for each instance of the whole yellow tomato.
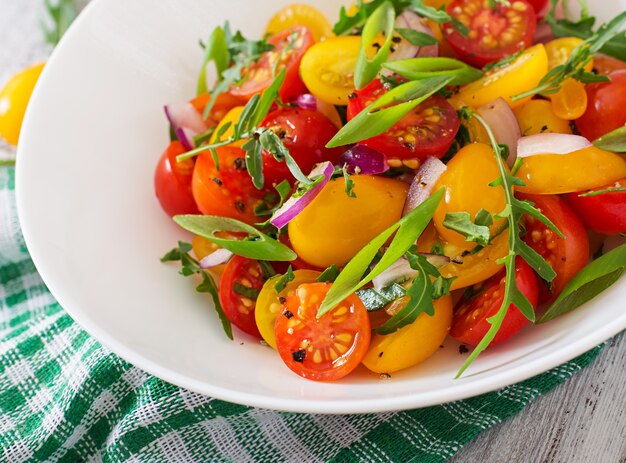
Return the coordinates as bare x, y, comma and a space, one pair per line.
14, 98
334, 227
537, 116
300, 14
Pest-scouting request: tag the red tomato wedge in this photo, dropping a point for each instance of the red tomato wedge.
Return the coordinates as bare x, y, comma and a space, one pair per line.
428, 130
289, 47
240, 284
325, 348
567, 256
493, 33
172, 182
470, 324
604, 213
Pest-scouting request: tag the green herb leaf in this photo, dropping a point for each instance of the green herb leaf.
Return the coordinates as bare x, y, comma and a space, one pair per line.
428, 12
257, 246
209, 286
588, 283
613, 141
419, 39
262, 210
383, 113
329, 275
267, 269
216, 52
376, 300
437, 249
283, 280
349, 183
274, 145
61, 13
461, 222
381, 21
406, 230
254, 162
269, 95
441, 286
422, 68
250, 293
614, 189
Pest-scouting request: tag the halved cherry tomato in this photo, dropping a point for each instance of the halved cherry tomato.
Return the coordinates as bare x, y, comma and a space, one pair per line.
304, 133
325, 348
241, 275
567, 256
300, 14
539, 6
493, 32
603, 64
172, 182
537, 116
428, 130
269, 302
232, 117
605, 111
604, 213
289, 47
470, 324
227, 192
224, 103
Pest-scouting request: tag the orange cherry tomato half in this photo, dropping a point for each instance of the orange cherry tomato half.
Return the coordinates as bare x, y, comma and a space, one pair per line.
289, 47
325, 348
493, 32
428, 130
470, 324
567, 256
172, 182
604, 213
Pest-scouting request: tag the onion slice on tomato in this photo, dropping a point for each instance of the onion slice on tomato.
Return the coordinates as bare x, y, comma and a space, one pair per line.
405, 49
294, 205
401, 271
550, 143
423, 183
216, 258
502, 121
364, 160
186, 122
312, 103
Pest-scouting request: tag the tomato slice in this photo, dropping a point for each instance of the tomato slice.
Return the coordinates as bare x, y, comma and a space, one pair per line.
470, 324
428, 130
493, 32
604, 213
289, 47
325, 348
605, 108
172, 182
227, 192
304, 133
567, 256
239, 288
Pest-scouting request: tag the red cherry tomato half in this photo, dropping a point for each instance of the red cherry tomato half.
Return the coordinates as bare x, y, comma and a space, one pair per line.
567, 256
305, 134
242, 278
172, 182
603, 64
493, 33
289, 47
539, 6
605, 108
470, 324
325, 348
428, 130
604, 213
227, 192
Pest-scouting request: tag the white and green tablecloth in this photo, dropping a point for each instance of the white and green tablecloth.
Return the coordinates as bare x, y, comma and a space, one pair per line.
65, 397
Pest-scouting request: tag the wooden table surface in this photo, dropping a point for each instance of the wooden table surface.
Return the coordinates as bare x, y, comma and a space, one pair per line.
583, 420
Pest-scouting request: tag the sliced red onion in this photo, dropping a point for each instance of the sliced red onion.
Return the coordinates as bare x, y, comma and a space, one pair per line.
311, 102
436, 259
306, 101
550, 143
423, 183
216, 258
401, 270
185, 137
362, 159
293, 206
502, 121
186, 122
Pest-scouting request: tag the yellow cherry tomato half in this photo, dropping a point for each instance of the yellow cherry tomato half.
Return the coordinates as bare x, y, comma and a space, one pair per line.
411, 344
521, 75
202, 248
268, 303
231, 116
327, 68
299, 14
537, 116
334, 227
14, 98
565, 173
466, 181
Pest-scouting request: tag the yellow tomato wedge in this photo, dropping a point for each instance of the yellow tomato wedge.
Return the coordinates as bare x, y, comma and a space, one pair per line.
537, 116
299, 14
411, 344
231, 116
521, 75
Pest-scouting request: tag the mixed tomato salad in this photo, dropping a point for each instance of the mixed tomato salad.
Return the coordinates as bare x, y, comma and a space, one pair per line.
420, 169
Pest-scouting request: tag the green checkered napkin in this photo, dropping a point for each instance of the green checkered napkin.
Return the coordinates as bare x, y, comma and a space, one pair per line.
64, 397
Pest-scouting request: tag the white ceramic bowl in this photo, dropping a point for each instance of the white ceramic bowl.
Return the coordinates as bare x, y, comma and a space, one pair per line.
93, 133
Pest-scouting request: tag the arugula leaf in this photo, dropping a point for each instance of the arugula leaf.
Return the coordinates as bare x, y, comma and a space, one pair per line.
61, 13
283, 280
274, 145
215, 51
209, 286
381, 21
258, 246
349, 183
388, 109
419, 39
613, 141
428, 12
422, 68
376, 300
588, 283
406, 230
329, 275
254, 162
461, 222
262, 210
